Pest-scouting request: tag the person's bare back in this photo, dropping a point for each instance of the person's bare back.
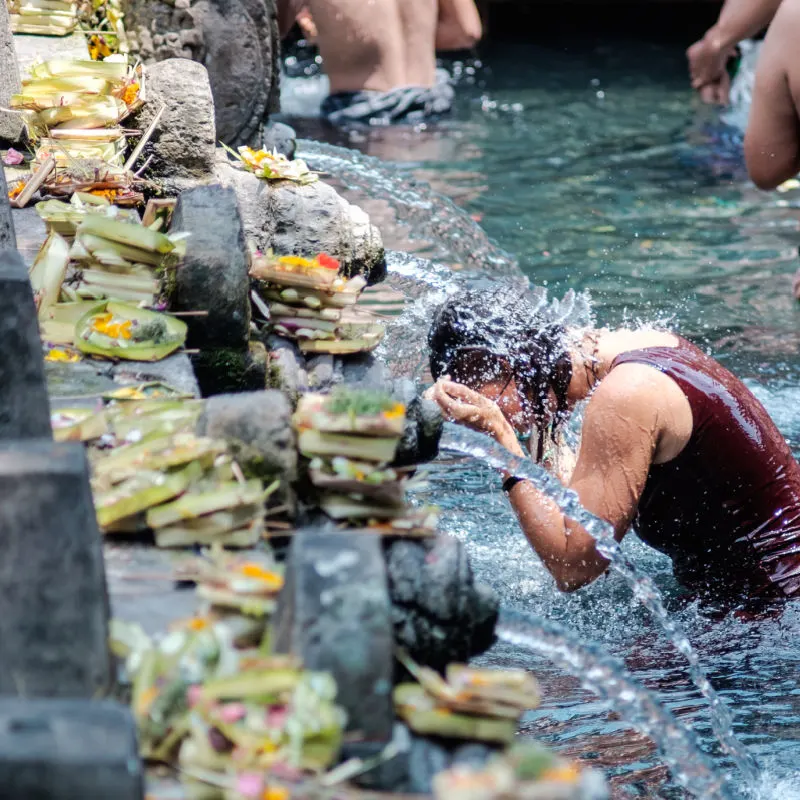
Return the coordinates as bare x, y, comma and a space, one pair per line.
376, 45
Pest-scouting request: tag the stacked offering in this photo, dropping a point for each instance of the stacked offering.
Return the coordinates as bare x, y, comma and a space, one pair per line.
222, 713
350, 437
308, 301
527, 771
73, 111
474, 704
77, 288
150, 471
44, 17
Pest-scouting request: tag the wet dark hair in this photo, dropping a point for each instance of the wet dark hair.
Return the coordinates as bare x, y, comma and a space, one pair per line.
483, 336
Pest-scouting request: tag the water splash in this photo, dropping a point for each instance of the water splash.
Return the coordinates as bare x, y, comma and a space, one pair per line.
429, 215
606, 678
467, 442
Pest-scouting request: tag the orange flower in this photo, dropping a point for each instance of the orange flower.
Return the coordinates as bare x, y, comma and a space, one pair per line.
147, 699
566, 773
16, 190
197, 624
275, 793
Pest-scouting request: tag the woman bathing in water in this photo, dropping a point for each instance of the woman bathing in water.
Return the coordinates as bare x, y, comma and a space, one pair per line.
672, 443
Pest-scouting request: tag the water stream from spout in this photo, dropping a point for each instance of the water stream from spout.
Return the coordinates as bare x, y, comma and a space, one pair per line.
428, 215
461, 440
606, 678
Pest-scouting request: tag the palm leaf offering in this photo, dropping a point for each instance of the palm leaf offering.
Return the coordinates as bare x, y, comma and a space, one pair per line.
526, 771
310, 302
483, 704
43, 17
350, 437
119, 330
272, 166
150, 471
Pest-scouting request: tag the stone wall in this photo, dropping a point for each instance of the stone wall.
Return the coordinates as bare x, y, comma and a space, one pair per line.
236, 40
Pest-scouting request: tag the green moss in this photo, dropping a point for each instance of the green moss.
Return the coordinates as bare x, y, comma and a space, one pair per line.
226, 370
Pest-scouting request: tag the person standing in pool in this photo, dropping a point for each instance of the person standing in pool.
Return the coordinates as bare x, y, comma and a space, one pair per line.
672, 444
380, 55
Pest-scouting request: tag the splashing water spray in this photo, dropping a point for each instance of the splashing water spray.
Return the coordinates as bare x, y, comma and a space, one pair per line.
461, 440
606, 678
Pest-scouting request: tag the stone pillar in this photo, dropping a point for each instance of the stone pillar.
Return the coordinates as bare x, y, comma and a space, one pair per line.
334, 612
68, 749
24, 407
11, 127
8, 239
53, 600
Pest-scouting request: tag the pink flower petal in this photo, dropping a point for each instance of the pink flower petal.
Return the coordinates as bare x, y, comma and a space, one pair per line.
276, 716
13, 157
232, 712
250, 784
193, 695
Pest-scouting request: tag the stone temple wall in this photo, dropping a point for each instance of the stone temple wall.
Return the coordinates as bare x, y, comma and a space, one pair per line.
236, 40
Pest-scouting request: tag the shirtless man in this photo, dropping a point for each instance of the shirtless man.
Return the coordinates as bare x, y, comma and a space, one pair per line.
708, 57
380, 55
772, 140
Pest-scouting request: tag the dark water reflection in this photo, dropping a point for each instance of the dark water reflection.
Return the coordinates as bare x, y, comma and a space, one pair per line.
592, 166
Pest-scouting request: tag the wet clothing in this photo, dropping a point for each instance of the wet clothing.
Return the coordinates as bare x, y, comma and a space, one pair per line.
408, 104
726, 510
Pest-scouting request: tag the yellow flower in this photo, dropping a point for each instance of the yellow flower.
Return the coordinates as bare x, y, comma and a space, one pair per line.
114, 330
16, 190
57, 354
252, 570
397, 410
98, 48
131, 94
197, 624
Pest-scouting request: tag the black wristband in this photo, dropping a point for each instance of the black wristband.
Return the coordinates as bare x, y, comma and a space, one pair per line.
510, 483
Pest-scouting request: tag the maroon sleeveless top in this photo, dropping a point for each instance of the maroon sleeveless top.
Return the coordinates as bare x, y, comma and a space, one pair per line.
726, 510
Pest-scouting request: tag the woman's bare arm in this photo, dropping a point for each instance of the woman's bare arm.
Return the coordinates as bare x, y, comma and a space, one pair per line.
620, 433
459, 26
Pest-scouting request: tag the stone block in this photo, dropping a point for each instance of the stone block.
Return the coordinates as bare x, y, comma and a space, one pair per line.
182, 147
8, 239
24, 408
258, 427
12, 131
287, 367
423, 428
334, 613
213, 275
305, 220
53, 600
68, 749
440, 614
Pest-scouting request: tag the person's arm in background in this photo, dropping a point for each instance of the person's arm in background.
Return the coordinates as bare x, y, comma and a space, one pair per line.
738, 20
459, 26
287, 13
772, 140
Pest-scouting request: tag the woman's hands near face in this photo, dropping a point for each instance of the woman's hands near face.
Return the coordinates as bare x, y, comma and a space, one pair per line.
467, 407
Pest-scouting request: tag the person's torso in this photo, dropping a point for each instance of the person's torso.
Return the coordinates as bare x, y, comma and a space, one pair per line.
376, 45
727, 508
